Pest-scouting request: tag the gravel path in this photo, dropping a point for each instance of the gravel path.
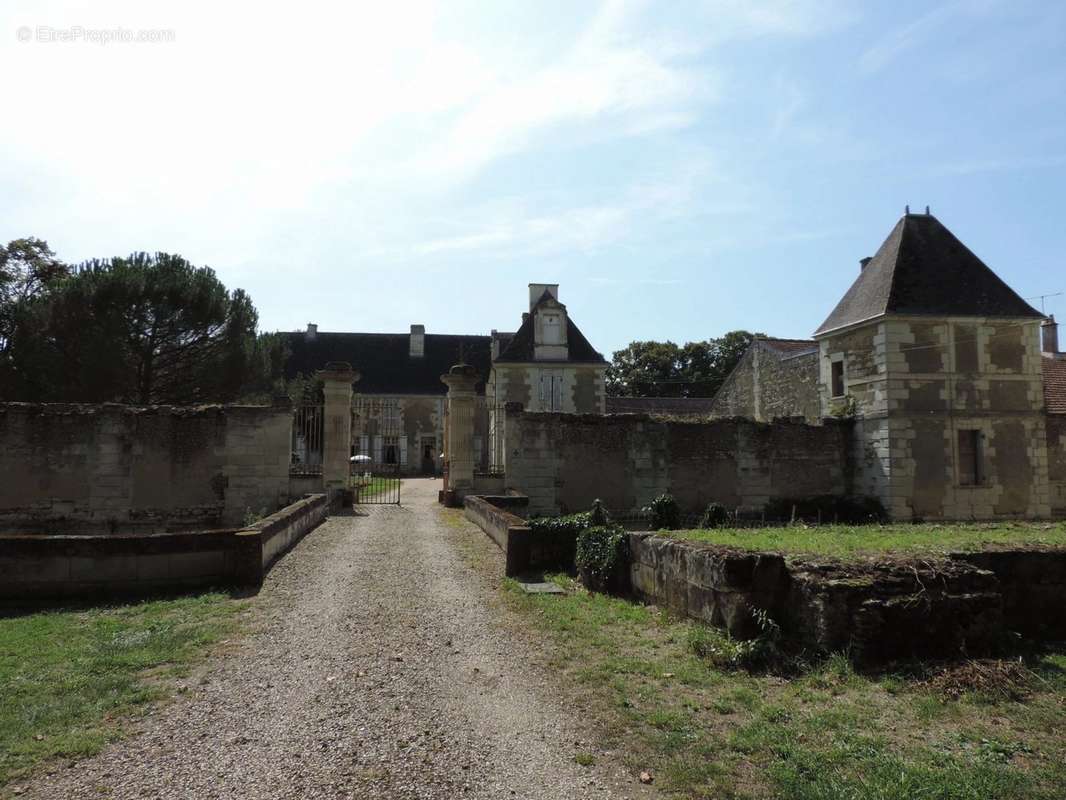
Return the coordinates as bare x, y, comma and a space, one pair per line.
377, 666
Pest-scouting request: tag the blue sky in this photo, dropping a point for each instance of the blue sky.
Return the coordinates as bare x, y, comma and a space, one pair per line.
681, 169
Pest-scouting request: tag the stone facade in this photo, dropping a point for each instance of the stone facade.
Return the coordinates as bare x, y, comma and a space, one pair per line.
950, 417
564, 462
774, 378
111, 468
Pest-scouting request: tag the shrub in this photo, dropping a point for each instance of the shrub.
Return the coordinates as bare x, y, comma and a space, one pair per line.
571, 524
828, 508
715, 516
602, 557
724, 651
665, 513
598, 515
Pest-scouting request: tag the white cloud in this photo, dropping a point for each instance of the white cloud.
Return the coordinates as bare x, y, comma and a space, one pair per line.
282, 135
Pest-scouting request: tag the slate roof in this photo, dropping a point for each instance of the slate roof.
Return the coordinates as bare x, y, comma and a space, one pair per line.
787, 348
671, 406
520, 348
1055, 385
384, 362
923, 269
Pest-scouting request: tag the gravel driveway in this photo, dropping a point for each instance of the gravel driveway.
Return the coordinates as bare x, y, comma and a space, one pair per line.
377, 666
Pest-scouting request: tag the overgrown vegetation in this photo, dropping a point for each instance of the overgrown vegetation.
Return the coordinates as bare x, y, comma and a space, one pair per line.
704, 726
570, 524
68, 676
665, 513
846, 540
602, 557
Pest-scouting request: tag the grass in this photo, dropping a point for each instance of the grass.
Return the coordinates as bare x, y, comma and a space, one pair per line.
821, 733
859, 540
375, 486
67, 677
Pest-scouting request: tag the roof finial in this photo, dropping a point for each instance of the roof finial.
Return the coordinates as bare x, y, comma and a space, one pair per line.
927, 211
906, 210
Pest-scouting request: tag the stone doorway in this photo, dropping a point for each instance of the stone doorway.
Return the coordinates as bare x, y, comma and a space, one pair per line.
429, 455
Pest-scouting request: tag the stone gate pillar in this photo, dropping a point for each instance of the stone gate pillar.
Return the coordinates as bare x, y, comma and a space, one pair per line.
337, 379
459, 460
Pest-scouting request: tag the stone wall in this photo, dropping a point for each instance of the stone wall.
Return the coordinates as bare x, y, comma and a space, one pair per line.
35, 568
111, 468
766, 385
914, 384
564, 461
877, 611
1056, 451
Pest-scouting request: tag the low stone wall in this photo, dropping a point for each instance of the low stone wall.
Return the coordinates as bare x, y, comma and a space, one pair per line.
879, 611
510, 532
1033, 583
34, 568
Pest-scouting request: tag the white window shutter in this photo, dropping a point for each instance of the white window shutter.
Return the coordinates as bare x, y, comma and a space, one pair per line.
364, 445
543, 394
403, 451
557, 393
378, 445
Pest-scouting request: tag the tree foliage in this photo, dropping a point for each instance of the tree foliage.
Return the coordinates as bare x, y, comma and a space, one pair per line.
144, 329
665, 369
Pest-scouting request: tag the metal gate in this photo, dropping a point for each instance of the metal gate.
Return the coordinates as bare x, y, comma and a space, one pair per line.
307, 432
380, 450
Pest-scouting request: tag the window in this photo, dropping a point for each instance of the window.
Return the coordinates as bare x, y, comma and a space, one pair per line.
550, 393
836, 374
970, 458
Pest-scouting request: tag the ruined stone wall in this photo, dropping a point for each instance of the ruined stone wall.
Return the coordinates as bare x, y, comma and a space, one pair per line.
764, 387
101, 468
1056, 448
914, 384
563, 462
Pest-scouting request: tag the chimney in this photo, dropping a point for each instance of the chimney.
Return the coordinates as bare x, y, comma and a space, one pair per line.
863, 262
312, 331
1049, 330
495, 339
418, 341
537, 290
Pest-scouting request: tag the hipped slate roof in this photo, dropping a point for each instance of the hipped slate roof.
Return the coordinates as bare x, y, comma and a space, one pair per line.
923, 269
520, 348
384, 361
1055, 385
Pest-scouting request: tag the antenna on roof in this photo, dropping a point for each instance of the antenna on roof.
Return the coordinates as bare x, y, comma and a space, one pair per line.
906, 210
1042, 298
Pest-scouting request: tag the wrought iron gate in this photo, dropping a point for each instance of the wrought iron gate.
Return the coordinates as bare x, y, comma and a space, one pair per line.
380, 450
307, 433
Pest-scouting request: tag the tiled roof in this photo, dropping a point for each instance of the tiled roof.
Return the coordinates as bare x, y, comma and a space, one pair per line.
790, 347
520, 347
1055, 385
672, 406
923, 269
384, 361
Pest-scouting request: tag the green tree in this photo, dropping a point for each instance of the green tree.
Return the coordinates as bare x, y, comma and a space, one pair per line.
663, 369
143, 329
